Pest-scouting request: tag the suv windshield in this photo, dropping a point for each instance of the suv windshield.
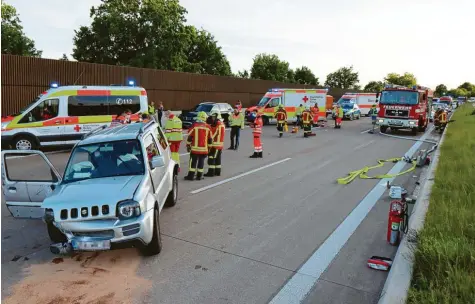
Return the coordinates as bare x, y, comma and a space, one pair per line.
399, 97
204, 107
107, 159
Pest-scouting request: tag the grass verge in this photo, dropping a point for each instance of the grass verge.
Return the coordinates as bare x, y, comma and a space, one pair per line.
444, 267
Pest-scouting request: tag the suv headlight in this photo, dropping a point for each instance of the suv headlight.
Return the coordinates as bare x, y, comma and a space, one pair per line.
128, 209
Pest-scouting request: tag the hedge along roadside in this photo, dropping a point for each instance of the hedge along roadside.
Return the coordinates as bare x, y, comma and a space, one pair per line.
444, 265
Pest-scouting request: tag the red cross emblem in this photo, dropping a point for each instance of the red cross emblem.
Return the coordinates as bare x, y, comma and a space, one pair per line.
305, 99
77, 128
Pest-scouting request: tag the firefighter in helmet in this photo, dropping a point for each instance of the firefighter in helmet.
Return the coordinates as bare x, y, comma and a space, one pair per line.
198, 144
174, 134
216, 147
307, 121
281, 116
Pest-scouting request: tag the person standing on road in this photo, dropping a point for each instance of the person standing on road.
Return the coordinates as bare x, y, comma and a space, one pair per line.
256, 126
198, 144
281, 116
298, 113
151, 108
236, 122
339, 117
214, 155
174, 134
374, 115
160, 110
307, 120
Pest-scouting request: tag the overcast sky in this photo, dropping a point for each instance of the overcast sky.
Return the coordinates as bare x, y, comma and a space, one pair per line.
431, 38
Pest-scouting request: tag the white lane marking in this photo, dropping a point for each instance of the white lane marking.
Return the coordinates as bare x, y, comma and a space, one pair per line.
46, 153
183, 154
366, 131
364, 145
302, 282
239, 176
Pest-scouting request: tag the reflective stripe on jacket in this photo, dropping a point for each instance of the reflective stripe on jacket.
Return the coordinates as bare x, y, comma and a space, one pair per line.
300, 110
236, 120
257, 126
306, 117
199, 138
443, 117
218, 135
173, 129
340, 112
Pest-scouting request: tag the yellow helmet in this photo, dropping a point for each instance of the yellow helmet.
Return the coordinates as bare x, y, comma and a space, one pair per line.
202, 116
281, 106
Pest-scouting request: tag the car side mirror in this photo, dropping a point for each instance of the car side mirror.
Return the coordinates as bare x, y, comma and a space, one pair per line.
157, 161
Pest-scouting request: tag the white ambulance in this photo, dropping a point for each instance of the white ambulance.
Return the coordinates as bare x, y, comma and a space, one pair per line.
291, 99
63, 114
364, 101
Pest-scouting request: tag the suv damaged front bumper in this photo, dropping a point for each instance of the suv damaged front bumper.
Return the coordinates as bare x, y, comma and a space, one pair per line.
105, 234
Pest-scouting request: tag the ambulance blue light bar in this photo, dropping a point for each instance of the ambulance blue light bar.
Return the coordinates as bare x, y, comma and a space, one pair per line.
54, 85
131, 83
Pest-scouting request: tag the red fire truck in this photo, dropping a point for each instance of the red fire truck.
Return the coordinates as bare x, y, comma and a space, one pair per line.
404, 108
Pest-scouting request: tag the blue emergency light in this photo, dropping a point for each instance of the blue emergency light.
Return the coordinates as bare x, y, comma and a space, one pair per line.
131, 83
54, 85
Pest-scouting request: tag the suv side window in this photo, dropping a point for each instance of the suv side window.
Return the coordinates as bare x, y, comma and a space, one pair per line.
151, 147
161, 138
47, 109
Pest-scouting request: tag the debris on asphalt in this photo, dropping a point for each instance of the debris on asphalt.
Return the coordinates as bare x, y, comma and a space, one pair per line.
16, 258
106, 277
380, 263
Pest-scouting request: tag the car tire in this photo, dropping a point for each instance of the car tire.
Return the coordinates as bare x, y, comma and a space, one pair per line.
155, 245
383, 129
414, 131
55, 235
352, 117
24, 141
172, 197
358, 117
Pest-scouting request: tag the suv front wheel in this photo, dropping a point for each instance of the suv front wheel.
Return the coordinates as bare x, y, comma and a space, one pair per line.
155, 245
172, 197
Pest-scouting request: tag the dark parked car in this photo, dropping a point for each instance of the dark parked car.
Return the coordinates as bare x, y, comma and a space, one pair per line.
189, 117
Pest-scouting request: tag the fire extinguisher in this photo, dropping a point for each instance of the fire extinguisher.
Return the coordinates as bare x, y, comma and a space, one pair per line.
397, 221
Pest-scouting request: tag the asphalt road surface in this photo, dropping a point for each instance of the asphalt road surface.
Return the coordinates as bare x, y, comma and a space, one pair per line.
245, 237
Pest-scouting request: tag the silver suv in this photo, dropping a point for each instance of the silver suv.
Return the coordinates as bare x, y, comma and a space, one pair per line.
115, 184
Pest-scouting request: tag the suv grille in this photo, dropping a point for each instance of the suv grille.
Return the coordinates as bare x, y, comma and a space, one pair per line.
84, 212
397, 113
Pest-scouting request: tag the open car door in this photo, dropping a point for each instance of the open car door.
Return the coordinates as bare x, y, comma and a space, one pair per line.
28, 177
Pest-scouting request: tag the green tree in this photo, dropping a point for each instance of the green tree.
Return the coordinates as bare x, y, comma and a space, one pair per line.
343, 78
14, 41
64, 57
243, 74
374, 86
407, 79
304, 75
270, 67
290, 76
470, 88
203, 54
440, 90
149, 34
459, 92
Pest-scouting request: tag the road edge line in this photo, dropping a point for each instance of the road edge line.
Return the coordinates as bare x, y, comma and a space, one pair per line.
301, 283
239, 176
398, 282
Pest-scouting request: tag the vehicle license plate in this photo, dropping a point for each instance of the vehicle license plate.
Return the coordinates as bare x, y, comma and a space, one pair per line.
395, 122
92, 245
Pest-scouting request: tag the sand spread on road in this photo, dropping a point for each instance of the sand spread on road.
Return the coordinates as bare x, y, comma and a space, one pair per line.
86, 278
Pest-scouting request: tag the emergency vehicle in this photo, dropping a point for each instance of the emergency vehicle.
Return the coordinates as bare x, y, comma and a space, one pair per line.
63, 114
364, 101
446, 100
404, 108
290, 99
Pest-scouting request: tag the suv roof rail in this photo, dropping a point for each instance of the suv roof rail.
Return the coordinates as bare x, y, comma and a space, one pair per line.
146, 126
94, 131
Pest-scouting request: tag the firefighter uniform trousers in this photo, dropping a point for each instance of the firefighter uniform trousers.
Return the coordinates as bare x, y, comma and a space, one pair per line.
339, 118
257, 132
281, 117
198, 141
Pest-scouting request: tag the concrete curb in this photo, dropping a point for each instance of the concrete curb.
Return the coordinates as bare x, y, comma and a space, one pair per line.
397, 284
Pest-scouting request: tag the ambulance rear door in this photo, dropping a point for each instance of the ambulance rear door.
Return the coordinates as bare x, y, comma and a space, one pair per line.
365, 101
293, 99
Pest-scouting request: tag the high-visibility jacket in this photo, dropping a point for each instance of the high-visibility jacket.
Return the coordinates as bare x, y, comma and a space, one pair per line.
218, 135
340, 112
281, 116
307, 117
151, 109
374, 111
257, 126
173, 129
236, 120
443, 117
199, 138
299, 110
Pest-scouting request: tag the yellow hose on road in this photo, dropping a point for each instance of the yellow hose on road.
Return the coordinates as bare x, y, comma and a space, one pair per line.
362, 173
